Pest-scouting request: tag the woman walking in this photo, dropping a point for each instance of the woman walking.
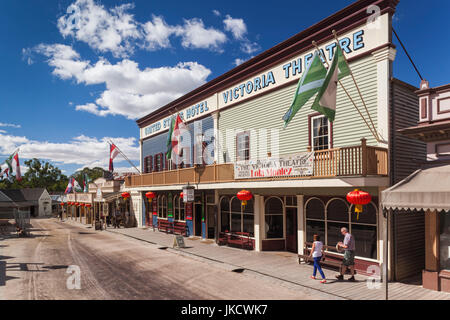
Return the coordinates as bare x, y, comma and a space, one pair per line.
316, 254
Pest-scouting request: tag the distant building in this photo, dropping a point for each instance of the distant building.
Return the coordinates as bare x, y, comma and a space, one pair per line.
35, 200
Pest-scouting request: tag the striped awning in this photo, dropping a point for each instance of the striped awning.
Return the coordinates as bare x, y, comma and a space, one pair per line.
426, 189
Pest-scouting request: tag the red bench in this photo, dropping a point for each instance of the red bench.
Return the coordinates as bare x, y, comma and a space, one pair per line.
241, 239
173, 227
165, 225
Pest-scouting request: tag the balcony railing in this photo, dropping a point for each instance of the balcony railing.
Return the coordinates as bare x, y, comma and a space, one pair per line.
359, 160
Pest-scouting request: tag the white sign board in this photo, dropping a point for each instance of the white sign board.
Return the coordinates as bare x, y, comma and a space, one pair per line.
188, 195
300, 164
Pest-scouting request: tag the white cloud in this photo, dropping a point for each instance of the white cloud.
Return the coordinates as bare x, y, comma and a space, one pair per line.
158, 32
250, 47
236, 26
11, 125
112, 30
82, 150
238, 61
195, 35
216, 12
2, 131
130, 91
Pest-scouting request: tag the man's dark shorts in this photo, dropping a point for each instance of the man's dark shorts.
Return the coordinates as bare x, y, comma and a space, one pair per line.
349, 258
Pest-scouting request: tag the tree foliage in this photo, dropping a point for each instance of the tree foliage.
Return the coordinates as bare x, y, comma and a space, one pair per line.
39, 175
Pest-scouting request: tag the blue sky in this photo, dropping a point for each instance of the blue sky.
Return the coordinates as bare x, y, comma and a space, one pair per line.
70, 80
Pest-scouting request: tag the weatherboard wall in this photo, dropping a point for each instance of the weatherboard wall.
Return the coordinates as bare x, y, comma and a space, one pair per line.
262, 116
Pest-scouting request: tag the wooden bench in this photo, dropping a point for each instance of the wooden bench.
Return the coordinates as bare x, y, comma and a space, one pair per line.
165, 225
330, 258
180, 228
242, 239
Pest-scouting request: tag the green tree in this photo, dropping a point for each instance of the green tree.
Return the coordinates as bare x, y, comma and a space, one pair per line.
39, 175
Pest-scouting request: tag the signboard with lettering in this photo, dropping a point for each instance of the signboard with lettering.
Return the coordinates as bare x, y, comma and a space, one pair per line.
188, 195
299, 164
178, 241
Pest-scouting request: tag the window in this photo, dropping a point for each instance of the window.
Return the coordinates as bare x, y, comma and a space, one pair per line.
320, 133
148, 164
158, 162
178, 207
315, 219
199, 148
274, 223
236, 218
327, 221
225, 214
162, 207
243, 146
445, 240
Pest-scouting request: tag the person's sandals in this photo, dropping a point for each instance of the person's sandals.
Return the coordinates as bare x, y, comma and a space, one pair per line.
323, 281
352, 279
340, 277
312, 277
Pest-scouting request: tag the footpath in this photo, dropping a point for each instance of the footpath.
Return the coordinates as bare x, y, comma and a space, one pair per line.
282, 266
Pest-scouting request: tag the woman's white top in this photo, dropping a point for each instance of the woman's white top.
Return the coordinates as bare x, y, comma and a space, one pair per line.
317, 249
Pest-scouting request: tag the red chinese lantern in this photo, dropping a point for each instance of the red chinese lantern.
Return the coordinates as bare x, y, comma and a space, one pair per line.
83, 204
181, 195
150, 195
359, 198
125, 195
77, 204
244, 196
62, 204
88, 205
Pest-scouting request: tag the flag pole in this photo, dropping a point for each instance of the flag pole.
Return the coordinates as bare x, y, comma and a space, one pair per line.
357, 87
123, 155
346, 92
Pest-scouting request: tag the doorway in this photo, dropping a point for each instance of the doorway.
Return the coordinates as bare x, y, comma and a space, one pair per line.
291, 230
198, 220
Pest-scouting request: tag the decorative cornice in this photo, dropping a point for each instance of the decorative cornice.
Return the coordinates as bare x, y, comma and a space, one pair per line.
343, 21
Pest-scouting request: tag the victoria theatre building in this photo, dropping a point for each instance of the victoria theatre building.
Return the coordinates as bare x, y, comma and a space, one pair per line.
297, 177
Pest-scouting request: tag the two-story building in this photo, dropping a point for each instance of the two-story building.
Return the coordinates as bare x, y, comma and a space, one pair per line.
423, 198
299, 175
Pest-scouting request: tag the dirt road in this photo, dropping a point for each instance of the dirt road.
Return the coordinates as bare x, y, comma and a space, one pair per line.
114, 267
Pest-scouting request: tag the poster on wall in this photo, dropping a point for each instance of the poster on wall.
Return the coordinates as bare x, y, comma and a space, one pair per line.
295, 165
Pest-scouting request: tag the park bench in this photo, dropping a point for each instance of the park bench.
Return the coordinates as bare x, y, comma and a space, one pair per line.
241, 239
330, 258
180, 228
165, 225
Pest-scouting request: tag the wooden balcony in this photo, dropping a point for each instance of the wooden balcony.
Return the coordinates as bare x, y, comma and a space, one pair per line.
359, 160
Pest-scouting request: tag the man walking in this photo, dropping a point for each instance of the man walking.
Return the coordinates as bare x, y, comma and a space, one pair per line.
349, 255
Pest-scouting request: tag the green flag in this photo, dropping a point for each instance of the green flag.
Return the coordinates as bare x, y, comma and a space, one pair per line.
325, 101
309, 84
169, 139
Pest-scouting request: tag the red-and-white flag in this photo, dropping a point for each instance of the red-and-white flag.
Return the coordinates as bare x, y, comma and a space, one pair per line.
16, 163
178, 130
113, 152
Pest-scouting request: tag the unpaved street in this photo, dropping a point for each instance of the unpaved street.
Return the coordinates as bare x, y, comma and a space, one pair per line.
115, 267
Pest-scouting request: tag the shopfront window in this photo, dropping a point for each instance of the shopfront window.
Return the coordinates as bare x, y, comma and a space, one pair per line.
225, 214
327, 219
274, 218
445, 240
162, 207
236, 218
178, 207
315, 219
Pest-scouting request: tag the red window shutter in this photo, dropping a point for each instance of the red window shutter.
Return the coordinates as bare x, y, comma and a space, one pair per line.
150, 164
145, 165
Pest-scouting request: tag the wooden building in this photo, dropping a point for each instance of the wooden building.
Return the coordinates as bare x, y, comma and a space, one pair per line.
299, 175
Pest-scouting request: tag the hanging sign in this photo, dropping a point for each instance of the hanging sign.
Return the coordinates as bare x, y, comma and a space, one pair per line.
188, 195
299, 164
